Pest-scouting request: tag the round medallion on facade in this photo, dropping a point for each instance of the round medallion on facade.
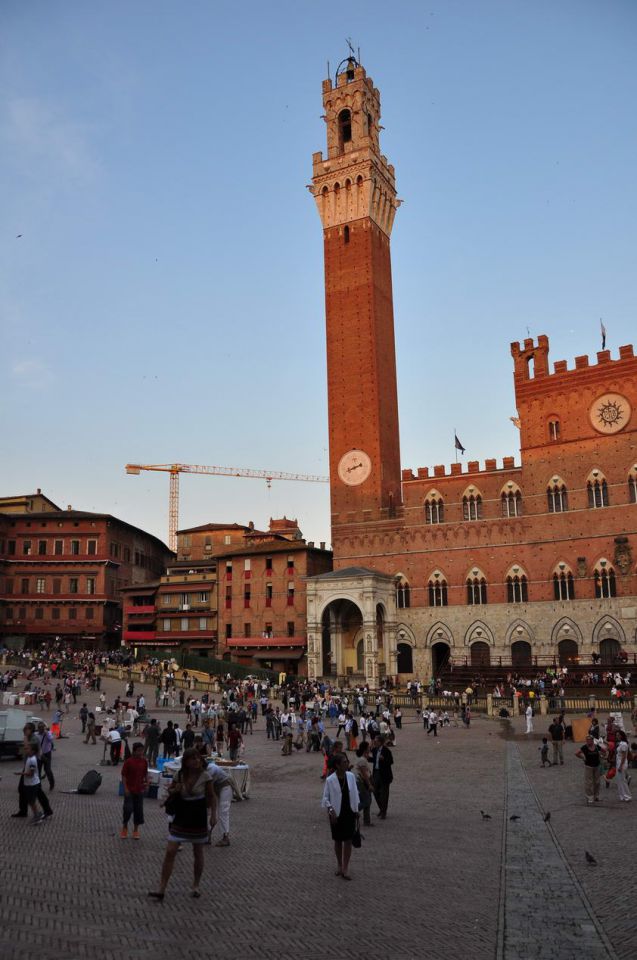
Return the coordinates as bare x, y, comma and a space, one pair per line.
354, 467
609, 413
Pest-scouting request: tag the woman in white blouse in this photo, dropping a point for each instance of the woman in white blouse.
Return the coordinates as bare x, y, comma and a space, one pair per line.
341, 800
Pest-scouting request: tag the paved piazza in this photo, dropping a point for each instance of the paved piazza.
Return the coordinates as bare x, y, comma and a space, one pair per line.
434, 880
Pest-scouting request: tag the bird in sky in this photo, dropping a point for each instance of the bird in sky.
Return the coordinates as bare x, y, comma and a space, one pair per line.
514, 817
590, 858
18, 236
485, 816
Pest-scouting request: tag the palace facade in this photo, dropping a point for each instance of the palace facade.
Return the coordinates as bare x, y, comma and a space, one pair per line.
485, 561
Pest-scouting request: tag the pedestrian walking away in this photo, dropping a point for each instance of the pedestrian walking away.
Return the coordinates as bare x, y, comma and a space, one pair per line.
556, 733
135, 781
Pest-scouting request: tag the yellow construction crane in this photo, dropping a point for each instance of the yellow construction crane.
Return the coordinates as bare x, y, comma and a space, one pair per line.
174, 469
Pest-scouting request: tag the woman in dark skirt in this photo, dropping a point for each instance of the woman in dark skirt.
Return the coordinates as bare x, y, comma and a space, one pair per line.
341, 800
193, 804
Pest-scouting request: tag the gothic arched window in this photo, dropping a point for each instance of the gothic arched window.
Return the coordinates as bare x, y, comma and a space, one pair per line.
434, 508
511, 501
437, 590
517, 588
557, 496
605, 585
472, 506
597, 489
476, 589
563, 583
403, 593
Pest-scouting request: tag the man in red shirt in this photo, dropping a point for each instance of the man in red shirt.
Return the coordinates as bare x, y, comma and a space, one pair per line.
135, 780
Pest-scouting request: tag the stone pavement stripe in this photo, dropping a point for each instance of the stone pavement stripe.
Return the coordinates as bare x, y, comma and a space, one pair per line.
541, 899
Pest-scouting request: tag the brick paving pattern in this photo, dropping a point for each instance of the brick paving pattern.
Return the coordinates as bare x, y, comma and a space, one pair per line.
426, 881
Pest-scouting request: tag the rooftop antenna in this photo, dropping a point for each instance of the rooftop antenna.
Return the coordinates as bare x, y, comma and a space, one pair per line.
348, 41
359, 55
328, 70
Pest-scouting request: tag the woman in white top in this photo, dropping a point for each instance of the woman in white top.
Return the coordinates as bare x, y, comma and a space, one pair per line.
621, 766
31, 779
341, 800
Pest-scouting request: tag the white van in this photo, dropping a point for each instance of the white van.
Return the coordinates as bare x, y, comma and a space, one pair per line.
12, 723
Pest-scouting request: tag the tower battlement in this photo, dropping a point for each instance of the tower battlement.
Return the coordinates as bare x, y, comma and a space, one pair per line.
531, 360
456, 469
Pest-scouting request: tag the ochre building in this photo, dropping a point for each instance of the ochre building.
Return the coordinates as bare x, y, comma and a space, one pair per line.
488, 562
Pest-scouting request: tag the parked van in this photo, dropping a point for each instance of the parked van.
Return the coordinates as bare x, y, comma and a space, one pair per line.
12, 723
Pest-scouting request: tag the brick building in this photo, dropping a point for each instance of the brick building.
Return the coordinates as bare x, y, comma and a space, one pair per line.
485, 561
62, 572
178, 611
234, 592
262, 610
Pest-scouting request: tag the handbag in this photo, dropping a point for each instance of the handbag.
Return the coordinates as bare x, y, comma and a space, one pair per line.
357, 839
171, 803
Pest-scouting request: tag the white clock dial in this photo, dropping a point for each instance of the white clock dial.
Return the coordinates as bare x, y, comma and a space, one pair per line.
354, 467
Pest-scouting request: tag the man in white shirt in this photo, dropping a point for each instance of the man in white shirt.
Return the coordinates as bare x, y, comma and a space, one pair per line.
115, 740
529, 719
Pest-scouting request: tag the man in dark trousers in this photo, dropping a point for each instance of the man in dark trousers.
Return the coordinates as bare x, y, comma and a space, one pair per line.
169, 740
382, 762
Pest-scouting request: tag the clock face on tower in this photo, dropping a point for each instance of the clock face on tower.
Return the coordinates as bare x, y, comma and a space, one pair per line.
354, 467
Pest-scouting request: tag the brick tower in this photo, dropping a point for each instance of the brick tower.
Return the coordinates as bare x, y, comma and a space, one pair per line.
355, 194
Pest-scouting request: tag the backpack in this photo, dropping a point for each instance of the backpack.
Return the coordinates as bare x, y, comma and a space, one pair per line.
90, 782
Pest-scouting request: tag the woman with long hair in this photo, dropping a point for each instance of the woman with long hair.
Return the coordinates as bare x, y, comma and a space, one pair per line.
341, 800
192, 804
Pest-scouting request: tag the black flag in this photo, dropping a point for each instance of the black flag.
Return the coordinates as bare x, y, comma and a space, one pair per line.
601, 323
457, 443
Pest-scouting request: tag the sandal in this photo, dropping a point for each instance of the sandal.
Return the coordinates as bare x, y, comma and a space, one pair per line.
156, 896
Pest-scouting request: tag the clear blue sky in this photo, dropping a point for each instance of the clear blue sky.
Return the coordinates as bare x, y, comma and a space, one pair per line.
165, 300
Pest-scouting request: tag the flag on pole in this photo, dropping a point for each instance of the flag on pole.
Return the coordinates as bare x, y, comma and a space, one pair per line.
457, 443
601, 323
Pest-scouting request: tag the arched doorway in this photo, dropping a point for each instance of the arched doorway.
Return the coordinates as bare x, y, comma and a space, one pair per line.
480, 654
521, 654
567, 652
405, 658
609, 649
439, 658
341, 628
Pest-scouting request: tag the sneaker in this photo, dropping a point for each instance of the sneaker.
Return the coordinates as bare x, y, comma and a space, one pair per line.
135, 834
38, 818
224, 842
123, 833
48, 814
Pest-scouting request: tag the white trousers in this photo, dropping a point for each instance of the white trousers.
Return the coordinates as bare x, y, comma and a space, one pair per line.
622, 787
529, 724
224, 802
